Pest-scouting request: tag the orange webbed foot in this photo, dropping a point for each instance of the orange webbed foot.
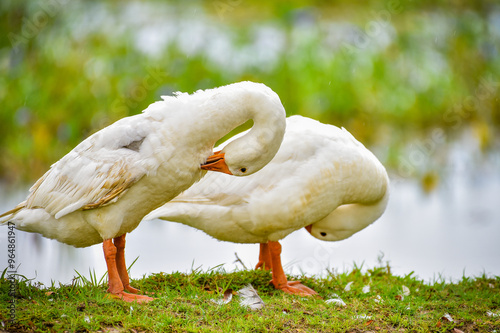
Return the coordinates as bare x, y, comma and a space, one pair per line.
130, 298
131, 289
297, 288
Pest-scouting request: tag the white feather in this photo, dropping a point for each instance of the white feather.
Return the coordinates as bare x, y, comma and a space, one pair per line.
250, 298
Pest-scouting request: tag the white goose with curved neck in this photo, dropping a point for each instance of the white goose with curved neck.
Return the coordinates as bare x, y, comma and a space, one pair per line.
106, 185
321, 178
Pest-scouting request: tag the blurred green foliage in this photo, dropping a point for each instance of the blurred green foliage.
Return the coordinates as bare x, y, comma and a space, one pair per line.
388, 71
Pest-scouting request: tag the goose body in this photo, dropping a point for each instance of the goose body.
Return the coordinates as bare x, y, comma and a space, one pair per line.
322, 178
103, 188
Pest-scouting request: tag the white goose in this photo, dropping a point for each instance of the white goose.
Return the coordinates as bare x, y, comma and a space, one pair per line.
322, 179
103, 188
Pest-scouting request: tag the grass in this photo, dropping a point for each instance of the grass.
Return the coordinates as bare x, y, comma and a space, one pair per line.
184, 303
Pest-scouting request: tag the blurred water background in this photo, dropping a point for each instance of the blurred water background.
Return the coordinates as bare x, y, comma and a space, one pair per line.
416, 82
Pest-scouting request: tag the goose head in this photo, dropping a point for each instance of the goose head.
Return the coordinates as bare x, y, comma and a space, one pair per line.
346, 220
250, 151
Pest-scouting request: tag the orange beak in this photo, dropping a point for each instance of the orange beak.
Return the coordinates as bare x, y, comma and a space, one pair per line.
216, 162
309, 227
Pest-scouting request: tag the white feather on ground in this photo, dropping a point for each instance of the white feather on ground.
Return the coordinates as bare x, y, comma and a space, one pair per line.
250, 298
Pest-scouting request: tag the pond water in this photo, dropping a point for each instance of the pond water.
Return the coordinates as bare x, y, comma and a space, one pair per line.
446, 234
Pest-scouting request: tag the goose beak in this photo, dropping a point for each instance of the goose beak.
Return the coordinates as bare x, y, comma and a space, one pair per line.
216, 162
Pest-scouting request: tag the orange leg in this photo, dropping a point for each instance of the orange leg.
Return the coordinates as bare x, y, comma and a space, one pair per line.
264, 257
121, 266
279, 278
114, 279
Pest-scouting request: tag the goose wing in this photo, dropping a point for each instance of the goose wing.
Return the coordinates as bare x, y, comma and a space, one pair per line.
97, 172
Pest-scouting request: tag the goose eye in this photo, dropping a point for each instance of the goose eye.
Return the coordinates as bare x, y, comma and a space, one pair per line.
323, 234
243, 170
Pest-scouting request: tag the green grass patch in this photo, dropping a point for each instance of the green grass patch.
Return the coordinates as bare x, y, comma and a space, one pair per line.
185, 303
